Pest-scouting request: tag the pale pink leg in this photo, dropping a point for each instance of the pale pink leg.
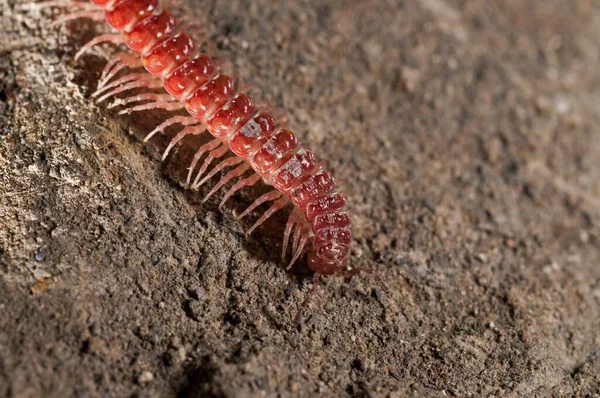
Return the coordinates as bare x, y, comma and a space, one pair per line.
243, 87
232, 161
300, 247
384, 286
269, 196
214, 154
278, 205
238, 171
296, 239
201, 151
149, 81
85, 14
282, 121
168, 106
106, 38
183, 120
64, 4
155, 97
122, 80
193, 28
288, 230
171, 4
217, 57
118, 62
304, 304
263, 105
194, 130
246, 182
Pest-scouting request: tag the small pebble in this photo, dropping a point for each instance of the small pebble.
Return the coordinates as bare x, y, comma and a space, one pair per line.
145, 377
39, 255
410, 78
543, 105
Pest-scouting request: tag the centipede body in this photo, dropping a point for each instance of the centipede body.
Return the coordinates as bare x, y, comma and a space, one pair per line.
189, 78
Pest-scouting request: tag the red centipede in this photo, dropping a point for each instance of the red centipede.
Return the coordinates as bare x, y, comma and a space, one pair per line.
262, 145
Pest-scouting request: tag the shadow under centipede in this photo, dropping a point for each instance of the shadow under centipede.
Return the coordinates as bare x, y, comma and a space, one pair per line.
175, 169
88, 68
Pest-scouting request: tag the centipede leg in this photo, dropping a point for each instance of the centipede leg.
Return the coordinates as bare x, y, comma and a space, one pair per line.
214, 154
243, 87
95, 15
217, 57
193, 130
64, 4
117, 63
238, 171
148, 81
168, 106
201, 151
276, 206
105, 38
304, 304
155, 97
269, 196
183, 120
300, 246
131, 77
296, 238
246, 182
232, 161
172, 4
192, 28
288, 230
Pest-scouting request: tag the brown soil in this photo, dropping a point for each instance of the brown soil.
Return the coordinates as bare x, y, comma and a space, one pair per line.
467, 133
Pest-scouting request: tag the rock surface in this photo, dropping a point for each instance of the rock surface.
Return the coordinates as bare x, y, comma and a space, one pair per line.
467, 133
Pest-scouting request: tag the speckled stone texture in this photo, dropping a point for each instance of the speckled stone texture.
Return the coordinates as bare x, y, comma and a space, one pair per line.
468, 137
